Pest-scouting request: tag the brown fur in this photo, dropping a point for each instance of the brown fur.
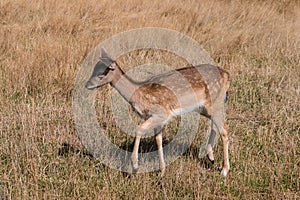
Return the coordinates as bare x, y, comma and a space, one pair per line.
201, 88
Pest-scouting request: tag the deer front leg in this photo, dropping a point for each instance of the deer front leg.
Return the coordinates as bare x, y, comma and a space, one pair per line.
139, 133
134, 156
149, 124
224, 137
158, 137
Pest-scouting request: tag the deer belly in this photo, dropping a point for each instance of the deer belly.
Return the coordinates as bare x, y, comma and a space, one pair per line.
187, 109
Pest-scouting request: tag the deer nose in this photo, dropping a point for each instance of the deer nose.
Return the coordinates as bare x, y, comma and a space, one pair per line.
89, 85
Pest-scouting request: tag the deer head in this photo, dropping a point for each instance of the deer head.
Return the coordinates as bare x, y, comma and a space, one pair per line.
103, 71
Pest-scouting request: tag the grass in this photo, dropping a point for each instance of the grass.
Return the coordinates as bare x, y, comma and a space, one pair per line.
42, 45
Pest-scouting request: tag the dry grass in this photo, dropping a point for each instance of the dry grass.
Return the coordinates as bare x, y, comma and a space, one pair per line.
42, 44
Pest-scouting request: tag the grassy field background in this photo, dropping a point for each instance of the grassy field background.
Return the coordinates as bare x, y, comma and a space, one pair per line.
42, 45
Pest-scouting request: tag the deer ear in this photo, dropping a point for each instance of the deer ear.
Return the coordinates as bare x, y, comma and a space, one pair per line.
105, 58
104, 54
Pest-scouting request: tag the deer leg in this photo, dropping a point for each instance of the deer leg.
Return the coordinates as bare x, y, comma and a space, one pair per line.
224, 136
158, 137
211, 142
134, 156
149, 124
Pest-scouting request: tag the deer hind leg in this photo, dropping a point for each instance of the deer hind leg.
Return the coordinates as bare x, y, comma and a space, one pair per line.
219, 128
149, 124
211, 142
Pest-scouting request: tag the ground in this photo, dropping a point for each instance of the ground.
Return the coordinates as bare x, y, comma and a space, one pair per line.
43, 44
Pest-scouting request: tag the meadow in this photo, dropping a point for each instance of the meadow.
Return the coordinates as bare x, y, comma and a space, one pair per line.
42, 46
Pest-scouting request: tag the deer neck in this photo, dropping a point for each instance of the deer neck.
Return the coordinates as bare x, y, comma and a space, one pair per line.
124, 84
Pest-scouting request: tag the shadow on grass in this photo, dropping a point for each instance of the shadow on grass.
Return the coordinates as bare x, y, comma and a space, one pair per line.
146, 145
193, 153
69, 150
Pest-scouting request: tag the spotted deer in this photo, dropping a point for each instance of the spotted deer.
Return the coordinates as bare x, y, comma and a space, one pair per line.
201, 88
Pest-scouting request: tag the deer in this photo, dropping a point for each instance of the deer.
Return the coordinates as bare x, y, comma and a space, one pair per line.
156, 100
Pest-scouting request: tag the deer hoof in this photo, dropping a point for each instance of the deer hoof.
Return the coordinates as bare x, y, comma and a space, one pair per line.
135, 167
224, 172
162, 172
212, 161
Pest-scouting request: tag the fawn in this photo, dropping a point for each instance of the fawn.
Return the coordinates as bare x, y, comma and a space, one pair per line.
201, 88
